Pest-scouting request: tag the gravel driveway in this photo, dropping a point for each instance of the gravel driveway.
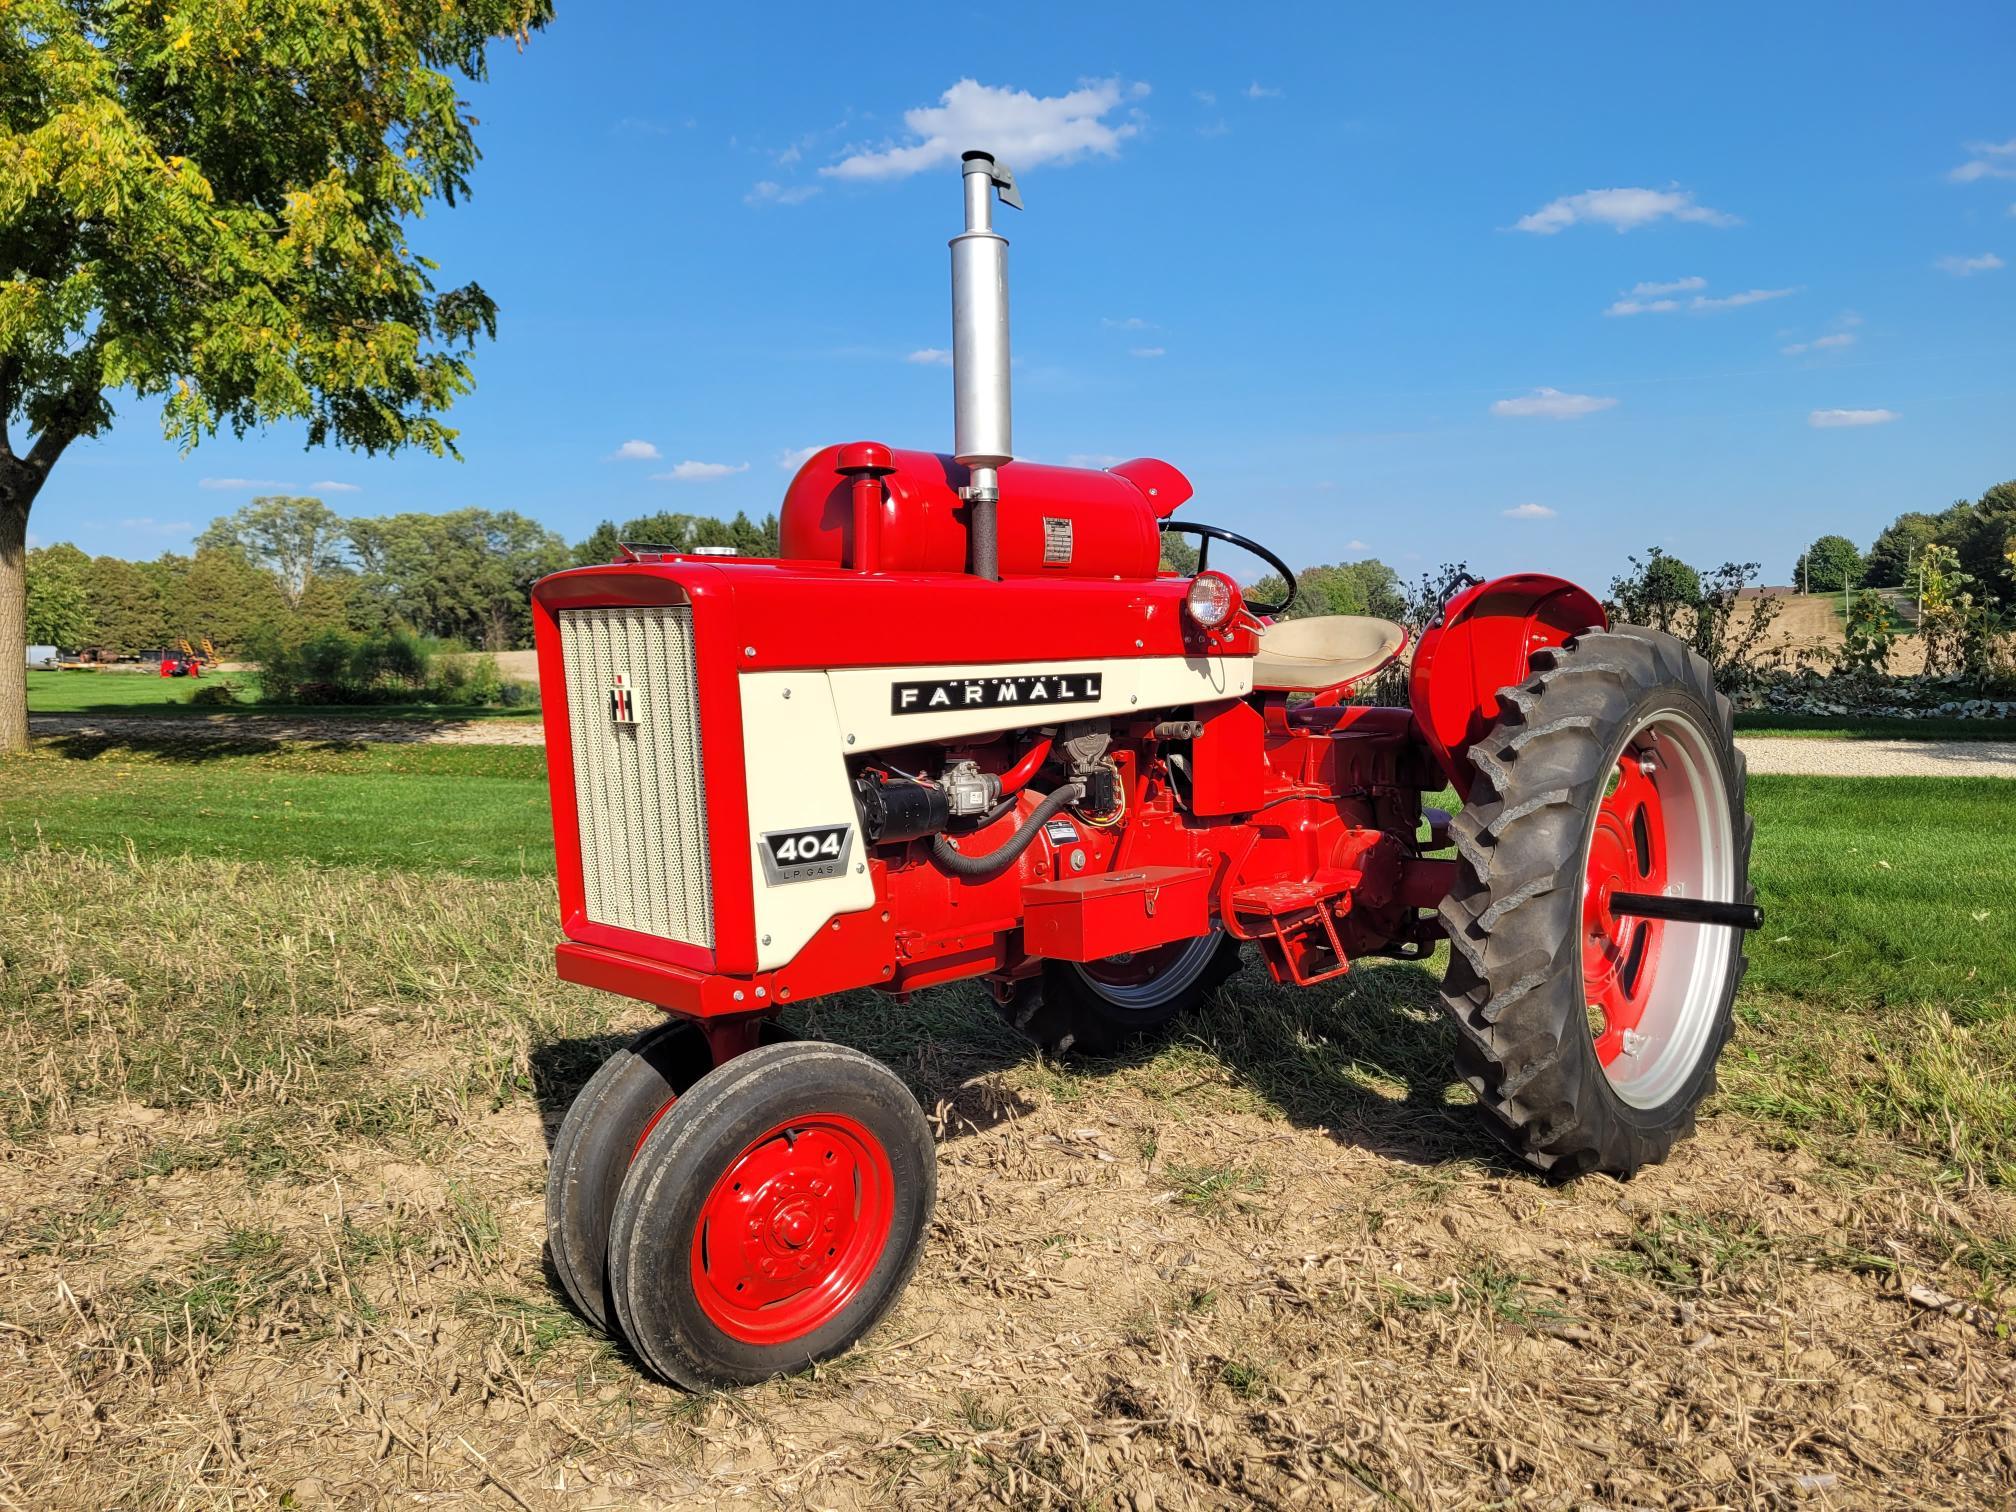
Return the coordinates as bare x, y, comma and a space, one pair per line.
1767, 753
1879, 758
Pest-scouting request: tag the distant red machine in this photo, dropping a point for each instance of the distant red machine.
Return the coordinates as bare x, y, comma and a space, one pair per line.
967, 727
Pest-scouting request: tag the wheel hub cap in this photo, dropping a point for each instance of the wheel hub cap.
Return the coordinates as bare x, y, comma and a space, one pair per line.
793, 1228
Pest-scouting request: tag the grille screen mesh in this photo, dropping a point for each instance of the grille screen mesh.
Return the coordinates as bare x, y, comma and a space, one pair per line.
638, 786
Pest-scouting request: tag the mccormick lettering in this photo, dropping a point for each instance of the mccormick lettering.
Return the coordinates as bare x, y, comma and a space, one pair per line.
1038, 688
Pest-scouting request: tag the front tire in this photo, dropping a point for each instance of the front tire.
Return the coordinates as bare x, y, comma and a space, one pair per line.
604, 1126
1590, 1038
773, 1215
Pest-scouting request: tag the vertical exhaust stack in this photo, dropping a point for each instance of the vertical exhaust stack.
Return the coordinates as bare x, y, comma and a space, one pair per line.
982, 425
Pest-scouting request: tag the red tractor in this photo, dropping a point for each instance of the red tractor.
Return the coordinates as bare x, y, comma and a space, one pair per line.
966, 726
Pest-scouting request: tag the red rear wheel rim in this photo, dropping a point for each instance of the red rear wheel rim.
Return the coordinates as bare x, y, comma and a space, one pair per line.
1620, 954
793, 1228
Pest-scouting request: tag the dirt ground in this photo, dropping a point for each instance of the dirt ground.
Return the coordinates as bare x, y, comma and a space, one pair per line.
290, 1253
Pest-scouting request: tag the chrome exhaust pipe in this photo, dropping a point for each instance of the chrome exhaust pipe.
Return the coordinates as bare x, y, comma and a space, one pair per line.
982, 426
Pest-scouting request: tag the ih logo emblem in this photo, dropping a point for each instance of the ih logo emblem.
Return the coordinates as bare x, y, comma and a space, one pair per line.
622, 701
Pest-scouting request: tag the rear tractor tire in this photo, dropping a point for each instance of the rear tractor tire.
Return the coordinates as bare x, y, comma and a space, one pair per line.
772, 1216
1098, 1007
1591, 1037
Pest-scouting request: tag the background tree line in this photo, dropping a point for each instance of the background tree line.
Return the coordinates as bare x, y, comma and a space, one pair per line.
1980, 533
294, 564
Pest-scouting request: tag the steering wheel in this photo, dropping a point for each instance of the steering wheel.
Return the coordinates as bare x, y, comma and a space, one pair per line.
1206, 534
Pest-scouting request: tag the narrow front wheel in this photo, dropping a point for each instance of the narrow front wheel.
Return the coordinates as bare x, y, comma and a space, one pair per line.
772, 1216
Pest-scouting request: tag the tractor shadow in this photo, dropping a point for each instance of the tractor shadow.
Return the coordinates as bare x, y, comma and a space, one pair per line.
1367, 1060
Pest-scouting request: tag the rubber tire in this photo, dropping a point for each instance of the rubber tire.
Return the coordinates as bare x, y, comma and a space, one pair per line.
650, 1240
1514, 919
1062, 1011
592, 1151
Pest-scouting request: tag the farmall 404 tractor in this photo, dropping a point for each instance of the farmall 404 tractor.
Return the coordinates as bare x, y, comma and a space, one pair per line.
966, 726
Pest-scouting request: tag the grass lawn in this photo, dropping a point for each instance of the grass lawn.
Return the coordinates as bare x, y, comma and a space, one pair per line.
279, 1038
135, 694
479, 810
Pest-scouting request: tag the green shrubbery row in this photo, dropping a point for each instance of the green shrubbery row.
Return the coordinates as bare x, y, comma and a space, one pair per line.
332, 666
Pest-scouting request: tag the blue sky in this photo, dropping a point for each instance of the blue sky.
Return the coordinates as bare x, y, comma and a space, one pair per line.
1533, 286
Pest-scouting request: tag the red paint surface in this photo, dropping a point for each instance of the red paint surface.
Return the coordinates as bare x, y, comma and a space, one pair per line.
922, 522
792, 1230
1608, 940
1485, 643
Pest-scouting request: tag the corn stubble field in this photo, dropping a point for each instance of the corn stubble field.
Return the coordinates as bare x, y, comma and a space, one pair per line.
271, 1215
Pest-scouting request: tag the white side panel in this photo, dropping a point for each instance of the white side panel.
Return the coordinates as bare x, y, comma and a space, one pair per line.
1131, 685
795, 756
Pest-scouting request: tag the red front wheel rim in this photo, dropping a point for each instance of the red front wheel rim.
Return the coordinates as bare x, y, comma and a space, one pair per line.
1620, 954
793, 1228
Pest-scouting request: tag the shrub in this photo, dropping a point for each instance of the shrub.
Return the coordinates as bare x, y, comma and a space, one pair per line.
214, 694
392, 666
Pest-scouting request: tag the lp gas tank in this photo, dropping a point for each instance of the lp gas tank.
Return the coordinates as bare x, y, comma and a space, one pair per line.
1053, 521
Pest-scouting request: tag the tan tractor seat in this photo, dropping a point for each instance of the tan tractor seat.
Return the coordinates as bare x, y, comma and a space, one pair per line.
1308, 655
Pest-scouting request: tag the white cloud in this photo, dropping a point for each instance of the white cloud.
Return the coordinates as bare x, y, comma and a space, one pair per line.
795, 458
930, 357
151, 526
1622, 209
699, 472
330, 485
1204, 96
1357, 545
1528, 512
1832, 343
634, 451
1148, 351
1737, 301
1131, 323
1024, 130
768, 192
241, 485
1967, 267
1677, 286
1700, 304
1834, 419
1991, 160
1258, 91
1551, 404
1092, 459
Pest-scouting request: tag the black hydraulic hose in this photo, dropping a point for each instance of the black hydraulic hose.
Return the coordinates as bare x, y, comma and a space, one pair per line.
998, 860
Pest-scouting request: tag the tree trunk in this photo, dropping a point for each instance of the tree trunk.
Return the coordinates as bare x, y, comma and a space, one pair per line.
17, 492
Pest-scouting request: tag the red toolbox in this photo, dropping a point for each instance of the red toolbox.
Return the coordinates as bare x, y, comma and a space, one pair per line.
1090, 918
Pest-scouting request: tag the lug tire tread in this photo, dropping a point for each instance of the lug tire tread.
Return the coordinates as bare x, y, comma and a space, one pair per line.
1514, 983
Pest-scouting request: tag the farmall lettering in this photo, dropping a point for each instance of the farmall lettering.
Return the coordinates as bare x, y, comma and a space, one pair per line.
1036, 689
735, 1201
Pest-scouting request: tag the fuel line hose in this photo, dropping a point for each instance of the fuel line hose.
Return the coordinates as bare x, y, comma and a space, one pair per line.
998, 860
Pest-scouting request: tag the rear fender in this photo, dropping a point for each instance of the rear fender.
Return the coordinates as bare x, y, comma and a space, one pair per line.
1483, 643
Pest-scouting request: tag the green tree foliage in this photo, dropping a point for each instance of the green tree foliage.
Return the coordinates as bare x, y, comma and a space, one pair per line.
59, 599
1659, 591
1367, 587
680, 532
297, 540
463, 576
1893, 561
1719, 615
1828, 565
1983, 536
216, 595
127, 600
207, 204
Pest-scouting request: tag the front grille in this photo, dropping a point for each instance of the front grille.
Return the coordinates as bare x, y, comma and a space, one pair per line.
643, 807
